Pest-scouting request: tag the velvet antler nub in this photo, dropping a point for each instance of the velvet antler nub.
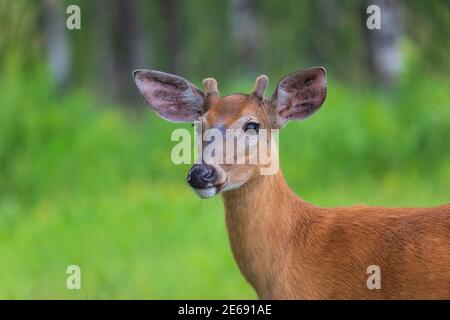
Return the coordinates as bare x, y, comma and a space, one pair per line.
260, 86
210, 85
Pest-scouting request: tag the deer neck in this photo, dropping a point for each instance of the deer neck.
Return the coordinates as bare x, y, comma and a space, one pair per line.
261, 217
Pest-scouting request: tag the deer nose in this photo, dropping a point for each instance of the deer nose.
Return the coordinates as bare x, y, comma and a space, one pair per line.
201, 175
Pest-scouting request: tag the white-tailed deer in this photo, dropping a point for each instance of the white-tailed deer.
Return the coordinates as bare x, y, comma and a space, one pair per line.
285, 247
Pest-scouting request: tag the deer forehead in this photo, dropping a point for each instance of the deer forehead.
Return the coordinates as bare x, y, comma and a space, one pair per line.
231, 110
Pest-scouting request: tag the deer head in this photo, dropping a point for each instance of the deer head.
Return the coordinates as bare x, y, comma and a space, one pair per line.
238, 117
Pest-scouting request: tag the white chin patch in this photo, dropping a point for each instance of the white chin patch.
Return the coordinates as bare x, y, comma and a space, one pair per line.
207, 192
232, 186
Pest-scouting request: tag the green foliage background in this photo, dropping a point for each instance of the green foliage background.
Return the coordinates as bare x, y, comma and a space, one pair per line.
82, 182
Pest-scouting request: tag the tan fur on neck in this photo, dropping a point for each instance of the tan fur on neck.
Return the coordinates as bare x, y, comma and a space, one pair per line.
287, 248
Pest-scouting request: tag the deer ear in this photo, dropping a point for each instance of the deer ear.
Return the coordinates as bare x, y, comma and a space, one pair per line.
300, 94
171, 97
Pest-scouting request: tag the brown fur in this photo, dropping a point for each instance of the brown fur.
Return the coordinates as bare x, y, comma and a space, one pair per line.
285, 247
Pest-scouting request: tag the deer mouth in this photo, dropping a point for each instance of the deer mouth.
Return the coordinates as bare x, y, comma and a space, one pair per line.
207, 192
206, 180
211, 190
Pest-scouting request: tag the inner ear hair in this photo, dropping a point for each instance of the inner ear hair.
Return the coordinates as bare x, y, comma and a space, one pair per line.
260, 86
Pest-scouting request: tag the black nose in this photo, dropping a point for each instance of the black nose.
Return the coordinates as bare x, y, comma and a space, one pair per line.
200, 175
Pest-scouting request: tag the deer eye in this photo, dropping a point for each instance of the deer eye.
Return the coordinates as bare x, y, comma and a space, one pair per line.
252, 126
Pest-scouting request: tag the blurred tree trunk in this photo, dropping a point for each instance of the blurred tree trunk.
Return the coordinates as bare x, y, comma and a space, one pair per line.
128, 45
385, 58
172, 36
102, 48
326, 34
118, 47
246, 33
57, 46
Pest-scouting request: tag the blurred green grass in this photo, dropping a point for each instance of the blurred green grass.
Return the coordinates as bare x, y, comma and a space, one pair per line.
82, 183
